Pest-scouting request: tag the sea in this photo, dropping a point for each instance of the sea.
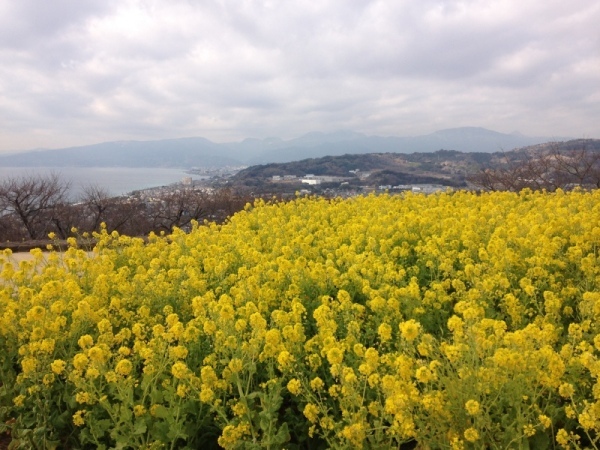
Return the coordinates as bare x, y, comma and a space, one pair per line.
115, 180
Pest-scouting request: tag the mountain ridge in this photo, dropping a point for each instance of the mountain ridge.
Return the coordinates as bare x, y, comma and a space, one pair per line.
201, 152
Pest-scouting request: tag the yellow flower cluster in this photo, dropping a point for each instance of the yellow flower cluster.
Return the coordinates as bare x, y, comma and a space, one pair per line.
457, 320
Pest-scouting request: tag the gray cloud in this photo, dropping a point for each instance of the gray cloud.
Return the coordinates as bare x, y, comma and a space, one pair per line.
76, 72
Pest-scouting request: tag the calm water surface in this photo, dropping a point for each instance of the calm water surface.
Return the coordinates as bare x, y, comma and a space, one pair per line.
116, 180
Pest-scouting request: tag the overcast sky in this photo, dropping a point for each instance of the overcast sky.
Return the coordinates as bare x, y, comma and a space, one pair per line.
79, 72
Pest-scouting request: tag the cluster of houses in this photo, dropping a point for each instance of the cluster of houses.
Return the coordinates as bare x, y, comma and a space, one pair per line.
417, 188
313, 180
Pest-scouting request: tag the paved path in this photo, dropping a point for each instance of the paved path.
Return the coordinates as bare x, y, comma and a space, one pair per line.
21, 256
26, 256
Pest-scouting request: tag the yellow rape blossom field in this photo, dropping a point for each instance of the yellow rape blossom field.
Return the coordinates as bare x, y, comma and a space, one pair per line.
449, 321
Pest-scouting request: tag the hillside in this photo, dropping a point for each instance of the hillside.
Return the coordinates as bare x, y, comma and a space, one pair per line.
444, 167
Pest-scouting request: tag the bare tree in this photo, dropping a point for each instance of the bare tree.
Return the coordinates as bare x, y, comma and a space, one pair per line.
548, 168
514, 174
96, 201
228, 201
65, 216
536, 171
34, 200
179, 207
578, 165
11, 228
31, 207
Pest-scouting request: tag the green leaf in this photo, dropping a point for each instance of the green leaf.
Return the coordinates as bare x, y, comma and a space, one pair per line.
159, 431
40, 431
156, 397
283, 435
63, 420
264, 422
52, 445
540, 441
101, 426
139, 427
126, 414
161, 412
121, 444
176, 431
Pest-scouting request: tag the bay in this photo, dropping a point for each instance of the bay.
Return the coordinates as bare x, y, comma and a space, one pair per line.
115, 180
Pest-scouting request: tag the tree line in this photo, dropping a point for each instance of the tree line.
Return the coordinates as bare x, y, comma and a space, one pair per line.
32, 207
548, 168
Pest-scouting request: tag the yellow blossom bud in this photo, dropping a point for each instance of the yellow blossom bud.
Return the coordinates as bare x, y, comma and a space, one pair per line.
471, 434
58, 366
294, 386
78, 419
235, 365
410, 329
317, 384
124, 367
311, 412
179, 370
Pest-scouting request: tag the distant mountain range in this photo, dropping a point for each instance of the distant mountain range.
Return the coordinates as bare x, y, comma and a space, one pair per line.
200, 152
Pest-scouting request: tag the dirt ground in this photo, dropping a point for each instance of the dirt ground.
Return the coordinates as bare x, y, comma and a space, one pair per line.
26, 256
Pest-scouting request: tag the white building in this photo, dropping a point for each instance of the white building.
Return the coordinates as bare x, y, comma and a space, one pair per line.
311, 181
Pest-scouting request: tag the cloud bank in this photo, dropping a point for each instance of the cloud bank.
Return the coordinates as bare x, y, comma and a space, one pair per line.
75, 72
